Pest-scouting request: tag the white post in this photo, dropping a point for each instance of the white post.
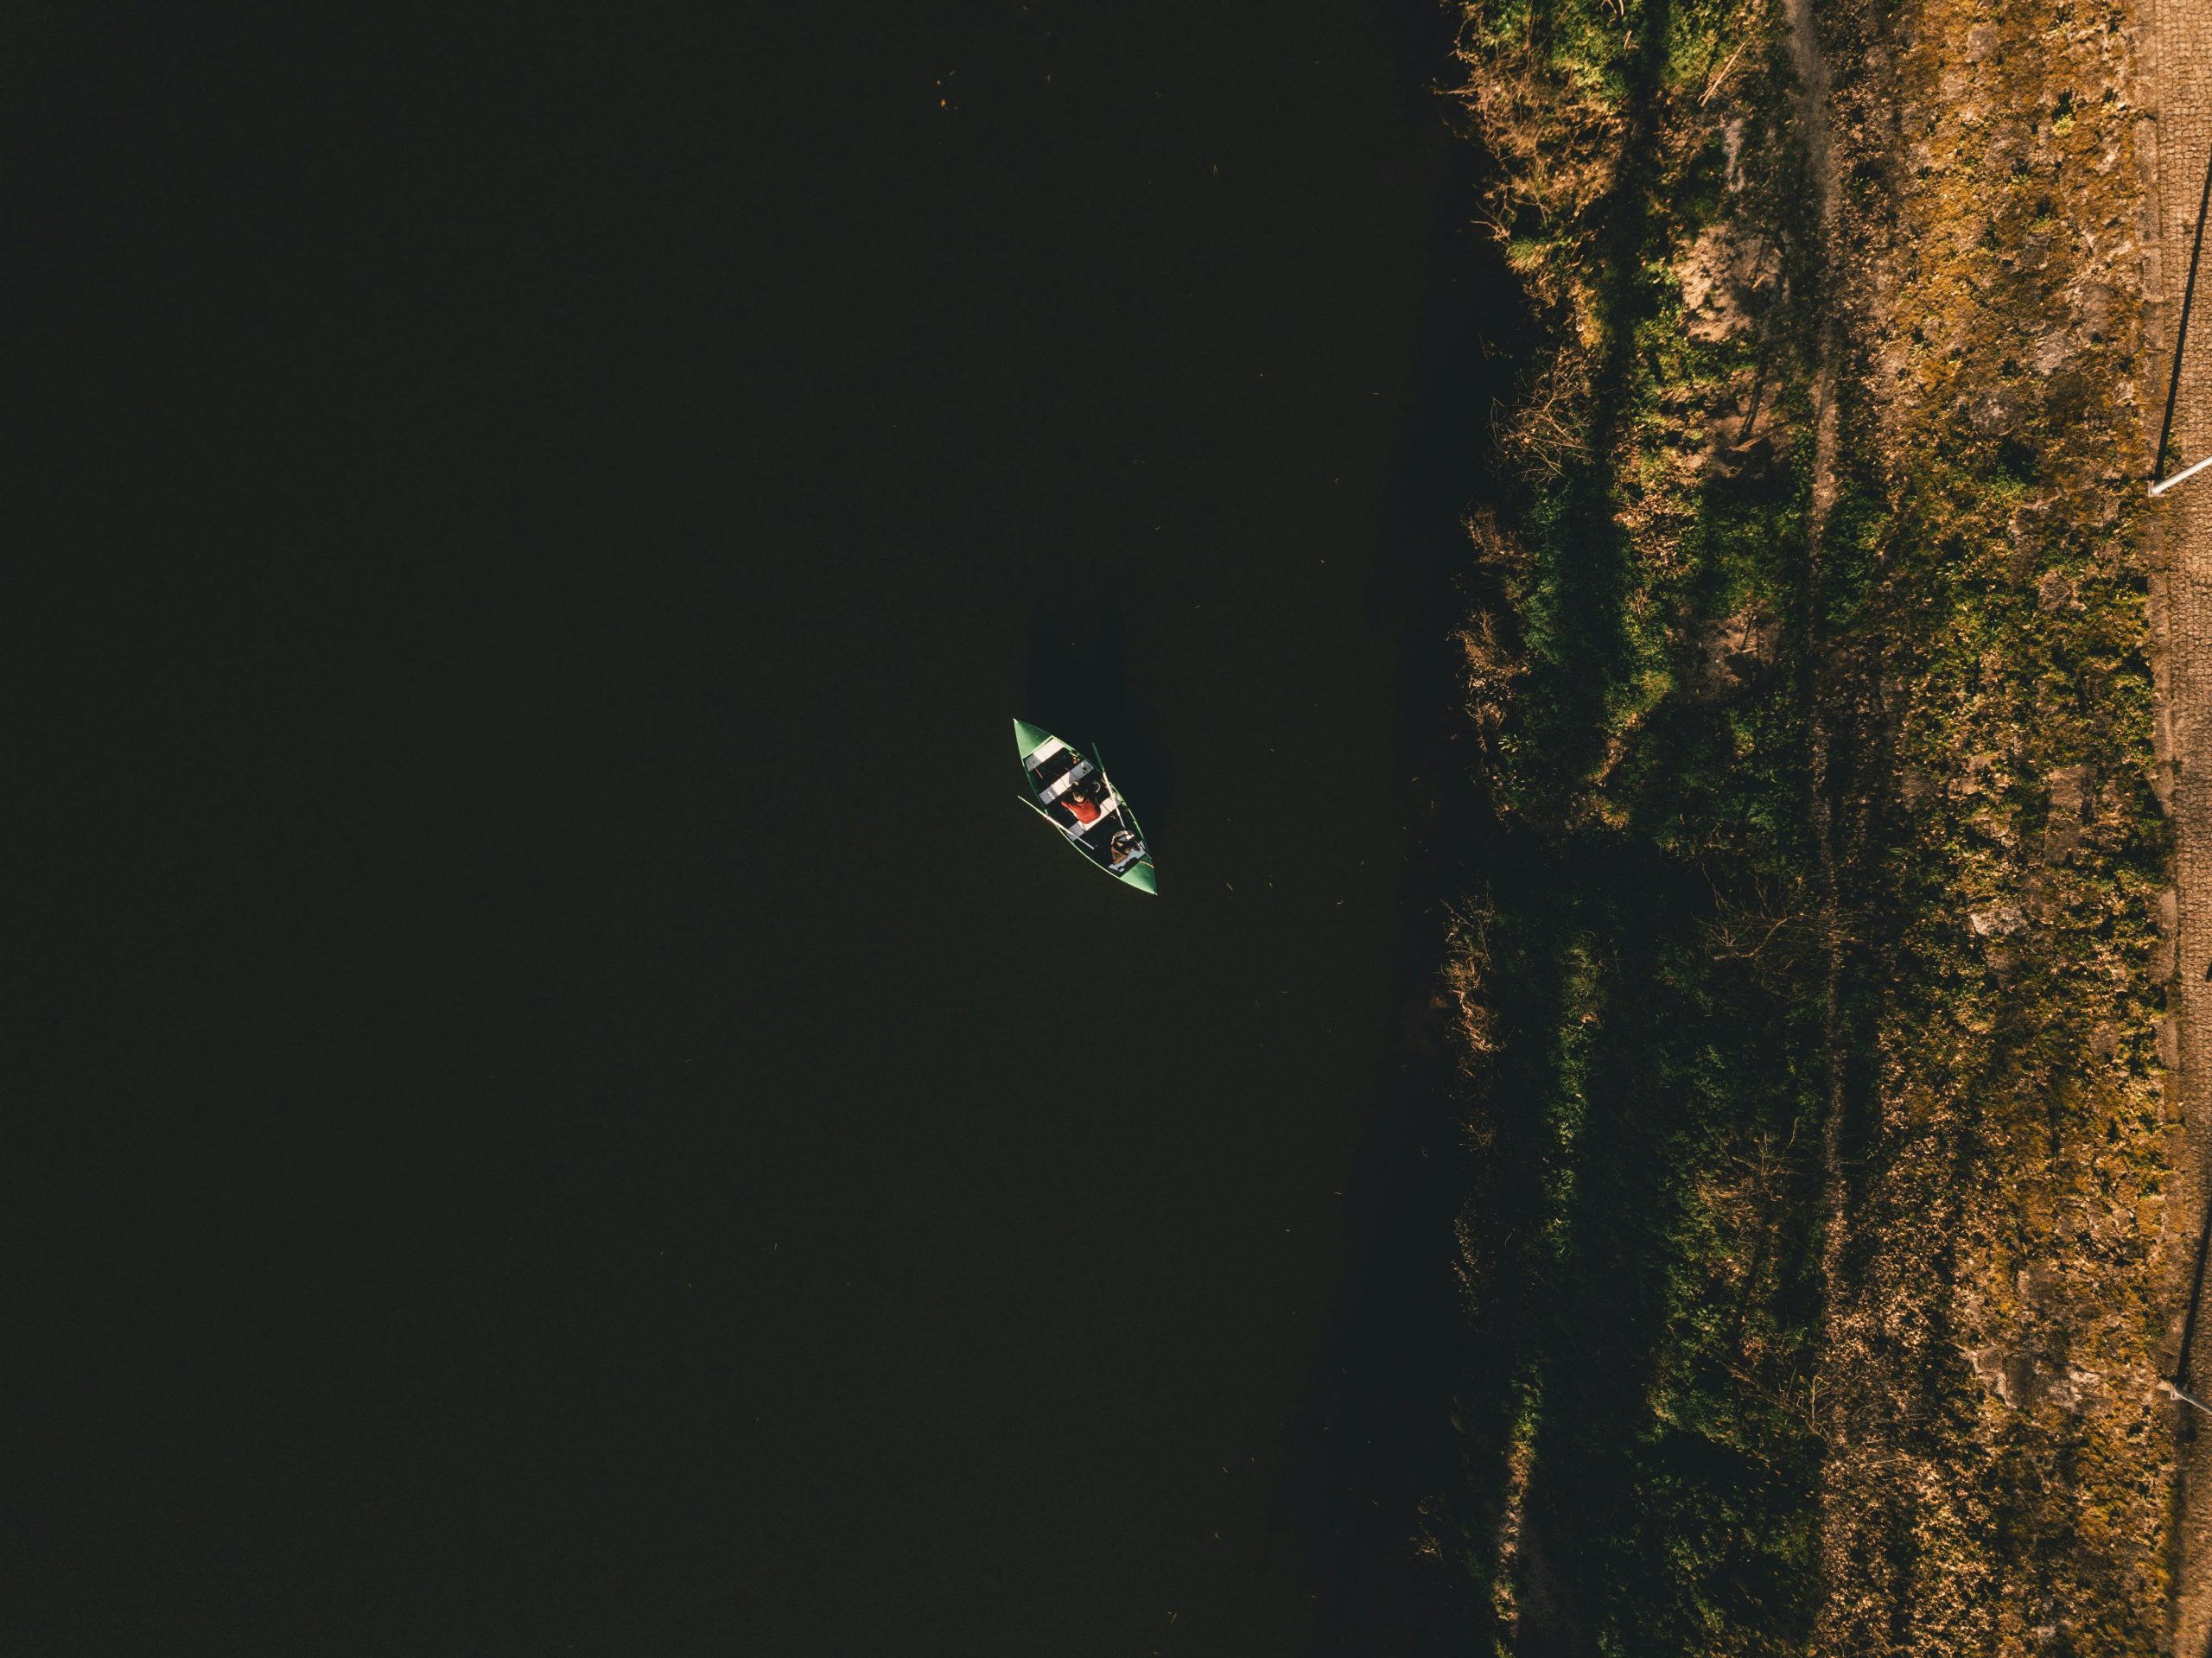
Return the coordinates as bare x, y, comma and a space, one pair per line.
2181, 477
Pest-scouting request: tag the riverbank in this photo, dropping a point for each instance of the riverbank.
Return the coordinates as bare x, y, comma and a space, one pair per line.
1816, 1048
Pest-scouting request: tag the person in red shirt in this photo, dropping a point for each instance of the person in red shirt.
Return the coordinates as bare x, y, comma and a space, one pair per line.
1077, 800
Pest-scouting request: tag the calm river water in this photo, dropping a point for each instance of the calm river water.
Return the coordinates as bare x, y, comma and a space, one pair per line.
680, 1160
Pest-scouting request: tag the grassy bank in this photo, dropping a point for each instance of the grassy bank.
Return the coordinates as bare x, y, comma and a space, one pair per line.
1680, 1431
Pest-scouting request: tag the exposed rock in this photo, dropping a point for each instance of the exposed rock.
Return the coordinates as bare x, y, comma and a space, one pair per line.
1994, 413
1728, 277
2069, 1388
1997, 921
1994, 825
1979, 777
2032, 527
2165, 949
2093, 306
2042, 899
2070, 795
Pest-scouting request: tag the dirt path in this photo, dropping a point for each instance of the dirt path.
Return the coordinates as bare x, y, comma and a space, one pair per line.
1820, 165
2178, 84
2177, 88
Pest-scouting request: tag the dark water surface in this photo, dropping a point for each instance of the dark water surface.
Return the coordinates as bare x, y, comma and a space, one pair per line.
608, 1128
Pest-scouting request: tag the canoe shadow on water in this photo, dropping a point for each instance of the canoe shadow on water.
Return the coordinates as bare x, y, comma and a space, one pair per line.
1080, 687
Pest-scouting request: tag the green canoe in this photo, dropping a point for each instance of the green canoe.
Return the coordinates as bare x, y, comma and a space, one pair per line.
1078, 798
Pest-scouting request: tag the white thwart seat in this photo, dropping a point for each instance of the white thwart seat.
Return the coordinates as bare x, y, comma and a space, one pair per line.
1059, 786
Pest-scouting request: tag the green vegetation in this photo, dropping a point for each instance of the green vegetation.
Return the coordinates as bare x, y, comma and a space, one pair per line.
1688, 1427
1640, 980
